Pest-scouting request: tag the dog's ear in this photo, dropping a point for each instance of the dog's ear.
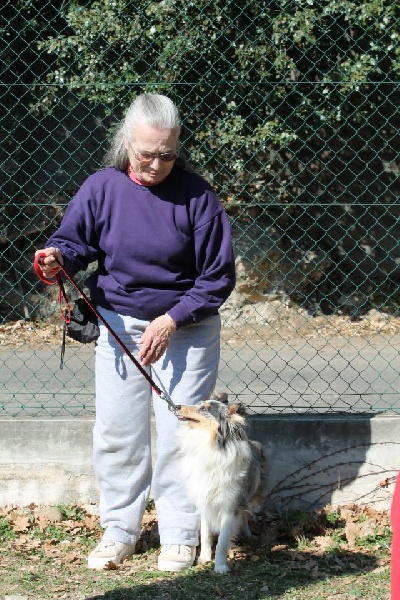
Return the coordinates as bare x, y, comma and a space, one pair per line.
220, 396
232, 425
237, 408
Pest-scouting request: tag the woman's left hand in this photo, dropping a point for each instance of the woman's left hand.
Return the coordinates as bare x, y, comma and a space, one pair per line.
155, 339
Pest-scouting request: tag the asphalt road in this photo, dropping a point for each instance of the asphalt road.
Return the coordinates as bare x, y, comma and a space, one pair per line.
355, 375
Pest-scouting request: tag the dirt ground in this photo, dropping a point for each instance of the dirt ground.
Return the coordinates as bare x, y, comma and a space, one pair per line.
260, 320
341, 553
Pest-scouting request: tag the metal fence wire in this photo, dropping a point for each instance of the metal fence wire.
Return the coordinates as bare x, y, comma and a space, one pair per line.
290, 110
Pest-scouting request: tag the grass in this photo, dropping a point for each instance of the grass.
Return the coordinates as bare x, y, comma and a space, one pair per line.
339, 553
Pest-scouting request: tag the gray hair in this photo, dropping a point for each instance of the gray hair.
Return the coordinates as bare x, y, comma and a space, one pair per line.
153, 110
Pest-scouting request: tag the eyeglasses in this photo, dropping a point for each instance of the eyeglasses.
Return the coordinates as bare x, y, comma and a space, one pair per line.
147, 157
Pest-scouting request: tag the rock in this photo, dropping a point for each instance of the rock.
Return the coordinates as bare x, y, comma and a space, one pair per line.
49, 513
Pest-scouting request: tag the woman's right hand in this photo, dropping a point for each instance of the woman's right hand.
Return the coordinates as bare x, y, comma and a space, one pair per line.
48, 263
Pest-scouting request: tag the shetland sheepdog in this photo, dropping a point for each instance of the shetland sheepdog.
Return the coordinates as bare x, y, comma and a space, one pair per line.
225, 473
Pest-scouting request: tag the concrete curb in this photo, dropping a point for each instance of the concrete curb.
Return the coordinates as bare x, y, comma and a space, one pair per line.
314, 460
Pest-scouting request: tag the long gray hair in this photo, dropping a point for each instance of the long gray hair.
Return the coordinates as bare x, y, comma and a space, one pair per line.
153, 110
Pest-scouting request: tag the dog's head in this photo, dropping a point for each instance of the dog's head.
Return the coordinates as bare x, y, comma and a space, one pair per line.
225, 422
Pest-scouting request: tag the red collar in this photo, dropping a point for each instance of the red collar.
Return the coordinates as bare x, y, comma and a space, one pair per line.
132, 175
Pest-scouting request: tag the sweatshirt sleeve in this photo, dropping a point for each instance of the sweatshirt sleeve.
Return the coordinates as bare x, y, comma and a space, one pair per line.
215, 266
76, 237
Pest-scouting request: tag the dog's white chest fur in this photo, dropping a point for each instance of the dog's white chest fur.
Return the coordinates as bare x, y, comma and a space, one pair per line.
215, 476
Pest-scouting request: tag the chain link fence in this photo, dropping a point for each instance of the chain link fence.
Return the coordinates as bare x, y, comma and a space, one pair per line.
290, 110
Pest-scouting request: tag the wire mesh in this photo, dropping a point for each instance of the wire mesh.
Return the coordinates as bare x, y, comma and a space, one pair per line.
290, 110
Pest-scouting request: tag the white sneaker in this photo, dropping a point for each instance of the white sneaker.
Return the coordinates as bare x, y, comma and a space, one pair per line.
176, 558
108, 551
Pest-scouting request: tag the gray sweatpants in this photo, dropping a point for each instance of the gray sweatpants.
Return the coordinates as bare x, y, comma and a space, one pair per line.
121, 438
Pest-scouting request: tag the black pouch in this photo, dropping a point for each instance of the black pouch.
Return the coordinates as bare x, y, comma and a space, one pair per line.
83, 326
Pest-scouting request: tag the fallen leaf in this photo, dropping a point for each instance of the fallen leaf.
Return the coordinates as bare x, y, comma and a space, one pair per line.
279, 547
72, 557
21, 524
254, 558
351, 531
60, 588
384, 483
324, 541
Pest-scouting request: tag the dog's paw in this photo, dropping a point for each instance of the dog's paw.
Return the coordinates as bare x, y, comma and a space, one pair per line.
221, 568
204, 558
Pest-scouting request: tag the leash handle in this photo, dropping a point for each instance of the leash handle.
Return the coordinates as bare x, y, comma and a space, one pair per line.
62, 296
36, 265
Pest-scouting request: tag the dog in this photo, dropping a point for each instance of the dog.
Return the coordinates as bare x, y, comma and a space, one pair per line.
224, 471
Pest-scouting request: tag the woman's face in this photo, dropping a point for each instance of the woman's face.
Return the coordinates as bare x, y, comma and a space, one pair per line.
147, 140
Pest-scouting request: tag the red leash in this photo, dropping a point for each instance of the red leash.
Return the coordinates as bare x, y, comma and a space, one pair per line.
62, 297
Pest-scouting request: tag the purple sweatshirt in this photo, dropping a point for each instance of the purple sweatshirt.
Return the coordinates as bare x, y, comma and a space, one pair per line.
160, 249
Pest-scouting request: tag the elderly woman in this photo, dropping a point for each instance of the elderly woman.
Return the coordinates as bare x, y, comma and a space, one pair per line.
165, 266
